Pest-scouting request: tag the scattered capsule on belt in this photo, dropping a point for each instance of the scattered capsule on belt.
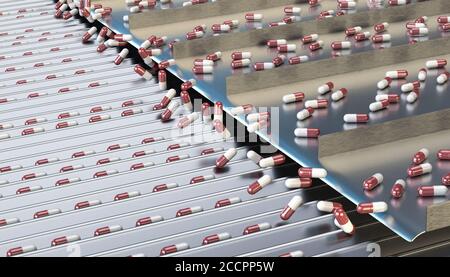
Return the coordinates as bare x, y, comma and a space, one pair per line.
443, 154
8, 221
171, 108
226, 157
307, 172
305, 113
167, 63
410, 86
295, 183
126, 195
65, 239
412, 96
338, 95
381, 27
298, 59
353, 30
328, 206
398, 2
122, 37
194, 35
217, 28
316, 45
105, 173
362, 36
259, 66
433, 64
214, 56
445, 27
356, 118
431, 191
292, 10
202, 69
443, 19
163, 187
188, 84
316, 104
241, 55
201, 62
398, 189
272, 161
188, 211
446, 180
344, 221
381, 38
122, 55
66, 181
227, 202
87, 36
143, 72
61, 10
216, 238
307, 132
86, 204
173, 248
259, 184
298, 253
28, 189
373, 181
287, 48
20, 250
149, 220
291, 207
257, 228
418, 32
397, 74
422, 19
325, 88
310, 38
294, 97
31, 131
420, 156
141, 165
378, 105
391, 98
274, 43
339, 45
244, 109
236, 64
170, 94
107, 230
372, 207
254, 117
255, 157
45, 213
200, 179
9, 168
253, 17
443, 78
234, 23
419, 170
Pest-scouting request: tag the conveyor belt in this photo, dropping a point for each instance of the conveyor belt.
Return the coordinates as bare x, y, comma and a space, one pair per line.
111, 145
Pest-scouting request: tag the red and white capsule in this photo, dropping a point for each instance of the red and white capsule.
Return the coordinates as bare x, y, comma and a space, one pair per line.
398, 189
410, 86
446, 180
173, 248
122, 55
308, 172
87, 204
339, 94
294, 97
418, 32
316, 45
344, 222
45, 213
164, 187
236, 64
443, 154
443, 78
378, 105
254, 117
223, 160
107, 230
316, 104
272, 161
65, 240
381, 27
202, 178
87, 36
296, 183
298, 59
353, 30
391, 98
432, 191
434, 64
254, 17
148, 220
412, 96
188, 211
143, 72
259, 66
170, 110
214, 56
397, 74
28, 189
257, 228
216, 238
307, 132
227, 202
420, 156
328, 206
259, 184
305, 113
419, 170
340, 45
310, 38
298, 253
255, 157
291, 207
381, 38
188, 84
20, 250
372, 207
8, 221
274, 43
244, 109
373, 181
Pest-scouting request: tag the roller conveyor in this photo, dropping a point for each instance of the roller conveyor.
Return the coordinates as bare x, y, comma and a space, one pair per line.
94, 185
